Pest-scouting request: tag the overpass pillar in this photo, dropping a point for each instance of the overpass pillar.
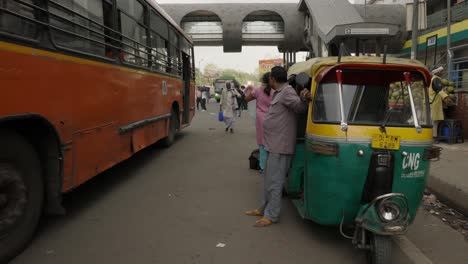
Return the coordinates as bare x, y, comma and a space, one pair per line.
232, 32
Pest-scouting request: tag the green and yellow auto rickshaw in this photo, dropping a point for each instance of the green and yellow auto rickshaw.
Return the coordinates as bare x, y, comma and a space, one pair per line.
364, 148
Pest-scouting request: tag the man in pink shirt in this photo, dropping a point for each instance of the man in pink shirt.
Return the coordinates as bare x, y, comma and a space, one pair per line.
263, 96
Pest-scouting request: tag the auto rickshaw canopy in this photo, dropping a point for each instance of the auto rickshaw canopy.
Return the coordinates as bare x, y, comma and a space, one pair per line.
311, 66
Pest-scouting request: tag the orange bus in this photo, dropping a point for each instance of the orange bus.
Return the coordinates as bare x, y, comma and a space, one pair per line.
84, 84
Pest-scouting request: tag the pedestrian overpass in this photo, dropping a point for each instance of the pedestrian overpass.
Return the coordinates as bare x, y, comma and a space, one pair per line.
318, 26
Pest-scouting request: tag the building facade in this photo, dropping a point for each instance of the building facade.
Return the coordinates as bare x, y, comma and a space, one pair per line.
432, 41
376, 2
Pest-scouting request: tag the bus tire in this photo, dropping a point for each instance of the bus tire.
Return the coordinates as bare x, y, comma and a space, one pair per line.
21, 194
173, 124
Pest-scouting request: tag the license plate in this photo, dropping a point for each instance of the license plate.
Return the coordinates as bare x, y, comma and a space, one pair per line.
380, 141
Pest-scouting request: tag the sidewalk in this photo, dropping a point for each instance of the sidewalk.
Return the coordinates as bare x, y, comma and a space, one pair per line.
449, 176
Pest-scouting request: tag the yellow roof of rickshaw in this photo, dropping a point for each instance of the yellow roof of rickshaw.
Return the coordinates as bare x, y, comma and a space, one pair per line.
314, 64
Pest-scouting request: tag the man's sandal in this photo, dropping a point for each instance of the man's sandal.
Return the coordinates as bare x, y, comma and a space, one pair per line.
263, 222
255, 212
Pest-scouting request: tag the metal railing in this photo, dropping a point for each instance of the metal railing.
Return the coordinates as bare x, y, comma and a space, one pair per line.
262, 27
459, 74
439, 18
206, 27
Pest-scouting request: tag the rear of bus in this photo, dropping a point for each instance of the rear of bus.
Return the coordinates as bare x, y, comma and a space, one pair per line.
83, 85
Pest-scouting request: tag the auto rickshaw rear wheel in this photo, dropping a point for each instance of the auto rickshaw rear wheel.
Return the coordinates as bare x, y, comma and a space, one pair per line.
380, 251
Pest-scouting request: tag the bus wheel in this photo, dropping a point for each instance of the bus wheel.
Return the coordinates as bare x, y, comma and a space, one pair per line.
21, 194
380, 249
173, 124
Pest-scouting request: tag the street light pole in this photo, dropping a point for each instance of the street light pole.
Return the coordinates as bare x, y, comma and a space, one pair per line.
365, 9
449, 39
415, 28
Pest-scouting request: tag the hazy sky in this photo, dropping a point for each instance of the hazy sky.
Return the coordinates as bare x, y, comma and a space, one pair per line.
246, 61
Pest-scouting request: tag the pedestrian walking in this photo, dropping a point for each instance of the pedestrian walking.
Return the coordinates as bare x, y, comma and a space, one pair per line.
279, 139
207, 95
228, 106
263, 96
204, 100
198, 95
240, 100
244, 102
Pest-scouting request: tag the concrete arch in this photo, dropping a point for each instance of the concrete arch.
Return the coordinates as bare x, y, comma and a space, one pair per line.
205, 27
265, 11
232, 16
330, 21
200, 12
264, 15
262, 27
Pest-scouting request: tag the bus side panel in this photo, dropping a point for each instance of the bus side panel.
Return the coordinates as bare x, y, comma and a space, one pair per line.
89, 161
87, 102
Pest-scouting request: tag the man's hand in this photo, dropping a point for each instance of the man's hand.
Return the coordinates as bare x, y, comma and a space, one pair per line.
248, 90
305, 95
448, 101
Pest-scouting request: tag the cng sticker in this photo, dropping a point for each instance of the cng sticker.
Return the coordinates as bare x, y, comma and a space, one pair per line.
410, 166
411, 161
164, 87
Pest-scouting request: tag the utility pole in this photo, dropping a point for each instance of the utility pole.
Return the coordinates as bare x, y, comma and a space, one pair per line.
365, 9
449, 39
415, 29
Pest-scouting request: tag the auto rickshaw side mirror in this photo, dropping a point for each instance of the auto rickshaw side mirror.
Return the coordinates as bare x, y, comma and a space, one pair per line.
437, 85
302, 79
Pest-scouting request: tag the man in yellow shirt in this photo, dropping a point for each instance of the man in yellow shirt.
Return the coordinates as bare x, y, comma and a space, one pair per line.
436, 99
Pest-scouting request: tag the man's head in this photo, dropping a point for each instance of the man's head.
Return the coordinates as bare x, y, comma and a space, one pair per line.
228, 85
278, 77
438, 71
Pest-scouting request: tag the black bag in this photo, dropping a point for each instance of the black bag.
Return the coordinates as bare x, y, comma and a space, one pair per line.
254, 160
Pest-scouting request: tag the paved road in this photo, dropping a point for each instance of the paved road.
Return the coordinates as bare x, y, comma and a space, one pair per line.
173, 206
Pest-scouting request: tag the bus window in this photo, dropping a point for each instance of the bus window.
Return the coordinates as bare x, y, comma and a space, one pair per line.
78, 25
131, 18
13, 24
159, 52
159, 43
109, 25
186, 48
174, 54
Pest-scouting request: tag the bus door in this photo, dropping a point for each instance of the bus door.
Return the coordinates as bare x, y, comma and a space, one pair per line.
186, 64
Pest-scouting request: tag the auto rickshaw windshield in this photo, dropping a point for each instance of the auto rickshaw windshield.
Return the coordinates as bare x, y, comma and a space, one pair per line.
372, 97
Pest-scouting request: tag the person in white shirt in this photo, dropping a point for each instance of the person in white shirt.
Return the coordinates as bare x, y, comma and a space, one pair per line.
228, 106
204, 100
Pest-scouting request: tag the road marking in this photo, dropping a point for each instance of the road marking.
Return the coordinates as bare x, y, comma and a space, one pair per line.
411, 251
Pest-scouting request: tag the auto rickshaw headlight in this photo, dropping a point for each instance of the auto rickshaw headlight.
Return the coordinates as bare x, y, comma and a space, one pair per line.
389, 211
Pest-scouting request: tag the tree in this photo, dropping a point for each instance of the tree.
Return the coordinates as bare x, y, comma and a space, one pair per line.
199, 78
211, 72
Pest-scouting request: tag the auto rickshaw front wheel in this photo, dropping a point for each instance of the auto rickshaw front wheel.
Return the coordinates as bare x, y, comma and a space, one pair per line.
380, 251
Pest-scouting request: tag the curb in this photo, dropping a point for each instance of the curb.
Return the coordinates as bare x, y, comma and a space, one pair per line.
449, 194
